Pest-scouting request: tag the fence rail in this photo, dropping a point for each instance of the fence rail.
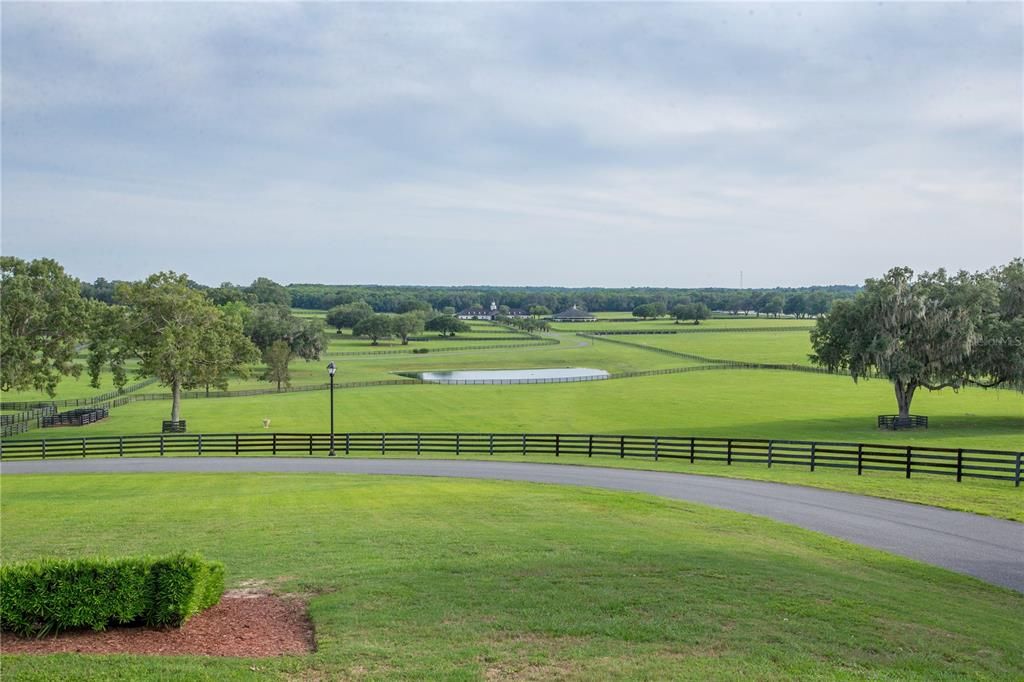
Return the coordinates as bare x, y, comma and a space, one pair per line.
539, 341
721, 363
960, 463
707, 330
76, 402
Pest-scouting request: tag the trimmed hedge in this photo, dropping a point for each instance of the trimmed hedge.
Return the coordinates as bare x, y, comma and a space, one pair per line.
50, 595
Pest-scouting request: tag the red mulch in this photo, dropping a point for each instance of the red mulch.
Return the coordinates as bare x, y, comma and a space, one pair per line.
245, 625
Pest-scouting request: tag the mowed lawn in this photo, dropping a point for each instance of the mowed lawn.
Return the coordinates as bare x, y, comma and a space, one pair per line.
604, 323
412, 578
787, 347
728, 403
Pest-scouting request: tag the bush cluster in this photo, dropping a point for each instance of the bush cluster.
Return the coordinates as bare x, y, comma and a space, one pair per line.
47, 596
420, 351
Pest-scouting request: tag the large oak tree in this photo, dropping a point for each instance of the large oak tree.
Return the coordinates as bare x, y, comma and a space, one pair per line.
177, 334
936, 331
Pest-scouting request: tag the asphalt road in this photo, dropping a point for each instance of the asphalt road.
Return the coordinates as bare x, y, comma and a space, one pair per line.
983, 547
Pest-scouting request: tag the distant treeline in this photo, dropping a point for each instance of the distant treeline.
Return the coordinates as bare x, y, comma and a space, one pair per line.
400, 299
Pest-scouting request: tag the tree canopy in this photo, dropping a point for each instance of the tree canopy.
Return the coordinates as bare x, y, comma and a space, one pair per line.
44, 318
936, 331
375, 327
268, 291
348, 315
447, 325
276, 358
269, 322
177, 334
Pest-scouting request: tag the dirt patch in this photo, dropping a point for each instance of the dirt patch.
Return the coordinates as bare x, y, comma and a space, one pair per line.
245, 623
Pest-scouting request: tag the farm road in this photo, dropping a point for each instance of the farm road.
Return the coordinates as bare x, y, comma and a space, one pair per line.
983, 547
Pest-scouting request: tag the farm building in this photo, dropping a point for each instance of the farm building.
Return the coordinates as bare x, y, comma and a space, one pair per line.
478, 313
573, 314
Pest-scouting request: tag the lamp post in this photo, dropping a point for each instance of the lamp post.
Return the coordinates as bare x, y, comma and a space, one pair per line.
331, 369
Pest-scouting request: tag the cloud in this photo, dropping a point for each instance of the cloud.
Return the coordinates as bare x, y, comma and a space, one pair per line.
423, 137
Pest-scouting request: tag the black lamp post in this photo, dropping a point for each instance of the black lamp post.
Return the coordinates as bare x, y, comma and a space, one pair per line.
331, 369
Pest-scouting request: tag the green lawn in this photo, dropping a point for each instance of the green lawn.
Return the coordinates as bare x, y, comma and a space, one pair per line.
729, 403
604, 323
768, 347
437, 579
71, 388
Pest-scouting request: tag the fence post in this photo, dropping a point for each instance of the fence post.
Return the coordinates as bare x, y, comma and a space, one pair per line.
200, 443
622, 447
691, 449
120, 446
728, 452
558, 444
418, 436
590, 446
347, 438
311, 444
458, 445
959, 464
860, 458
908, 461
814, 447
161, 445
383, 442
490, 444
44, 448
655, 448
770, 444
524, 445
273, 444
1016, 475
83, 447
236, 443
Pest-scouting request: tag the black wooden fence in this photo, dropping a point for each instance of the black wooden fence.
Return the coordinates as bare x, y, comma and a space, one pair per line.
77, 402
694, 330
535, 341
860, 457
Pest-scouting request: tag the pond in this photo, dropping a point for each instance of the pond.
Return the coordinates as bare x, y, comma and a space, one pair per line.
510, 376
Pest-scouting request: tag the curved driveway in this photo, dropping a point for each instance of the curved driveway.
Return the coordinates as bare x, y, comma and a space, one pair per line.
986, 548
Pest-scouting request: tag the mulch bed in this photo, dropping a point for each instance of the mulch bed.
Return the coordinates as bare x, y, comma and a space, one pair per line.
242, 624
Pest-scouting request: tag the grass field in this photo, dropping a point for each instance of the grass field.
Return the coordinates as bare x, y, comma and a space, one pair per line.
436, 579
723, 403
791, 347
730, 403
71, 388
668, 324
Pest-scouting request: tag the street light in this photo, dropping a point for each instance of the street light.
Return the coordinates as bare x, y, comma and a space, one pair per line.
331, 369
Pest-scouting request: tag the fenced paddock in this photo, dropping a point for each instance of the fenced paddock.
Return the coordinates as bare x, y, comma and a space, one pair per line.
908, 460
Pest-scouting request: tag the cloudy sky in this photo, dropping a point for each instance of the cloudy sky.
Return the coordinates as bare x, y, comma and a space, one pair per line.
611, 144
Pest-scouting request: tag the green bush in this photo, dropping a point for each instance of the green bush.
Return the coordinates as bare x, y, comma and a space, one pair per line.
421, 350
51, 595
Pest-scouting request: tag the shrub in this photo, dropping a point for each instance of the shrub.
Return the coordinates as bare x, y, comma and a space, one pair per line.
51, 595
421, 350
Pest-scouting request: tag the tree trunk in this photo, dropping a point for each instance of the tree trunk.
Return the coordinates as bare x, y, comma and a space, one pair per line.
279, 385
175, 400
904, 396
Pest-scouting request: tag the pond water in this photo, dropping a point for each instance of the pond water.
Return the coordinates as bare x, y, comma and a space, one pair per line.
510, 376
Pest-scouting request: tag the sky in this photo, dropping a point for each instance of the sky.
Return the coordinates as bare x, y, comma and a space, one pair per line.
515, 143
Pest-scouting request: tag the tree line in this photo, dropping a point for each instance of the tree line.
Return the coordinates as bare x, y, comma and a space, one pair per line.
166, 324
807, 301
931, 331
